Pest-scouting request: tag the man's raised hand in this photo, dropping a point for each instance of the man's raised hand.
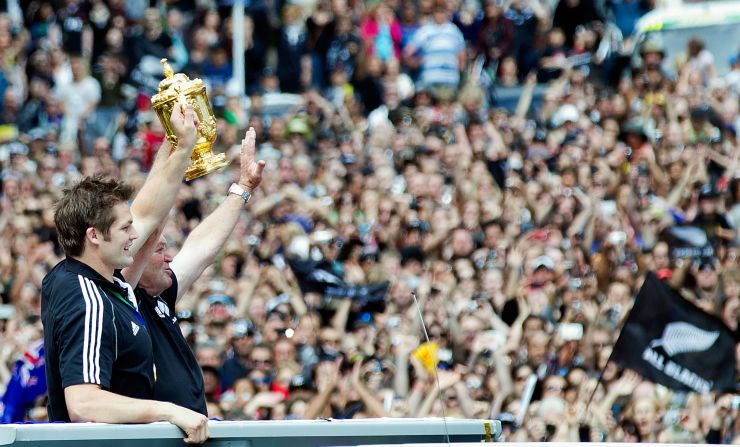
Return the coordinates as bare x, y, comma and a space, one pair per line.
184, 123
250, 171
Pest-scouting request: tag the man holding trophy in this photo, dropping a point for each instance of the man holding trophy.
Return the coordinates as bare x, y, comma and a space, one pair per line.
100, 360
166, 279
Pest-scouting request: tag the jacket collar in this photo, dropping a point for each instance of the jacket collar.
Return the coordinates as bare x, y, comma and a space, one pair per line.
78, 267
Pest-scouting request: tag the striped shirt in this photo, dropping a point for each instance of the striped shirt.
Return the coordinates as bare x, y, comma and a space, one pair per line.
439, 46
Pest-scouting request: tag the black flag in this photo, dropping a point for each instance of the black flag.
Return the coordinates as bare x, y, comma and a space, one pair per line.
318, 277
668, 340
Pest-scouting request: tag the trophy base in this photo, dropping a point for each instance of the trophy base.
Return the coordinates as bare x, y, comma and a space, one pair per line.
206, 163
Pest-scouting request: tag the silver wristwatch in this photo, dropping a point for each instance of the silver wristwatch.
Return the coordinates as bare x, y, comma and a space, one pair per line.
240, 191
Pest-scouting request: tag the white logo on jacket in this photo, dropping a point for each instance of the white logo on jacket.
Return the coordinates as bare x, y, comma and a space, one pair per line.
162, 309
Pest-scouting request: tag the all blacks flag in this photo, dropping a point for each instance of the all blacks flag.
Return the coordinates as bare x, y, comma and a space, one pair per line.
319, 277
668, 340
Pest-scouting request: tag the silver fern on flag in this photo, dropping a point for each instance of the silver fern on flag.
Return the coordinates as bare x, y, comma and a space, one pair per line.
684, 337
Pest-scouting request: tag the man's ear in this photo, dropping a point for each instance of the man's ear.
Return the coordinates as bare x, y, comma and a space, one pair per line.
93, 236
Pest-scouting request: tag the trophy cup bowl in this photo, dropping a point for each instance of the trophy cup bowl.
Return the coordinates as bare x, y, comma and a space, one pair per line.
172, 87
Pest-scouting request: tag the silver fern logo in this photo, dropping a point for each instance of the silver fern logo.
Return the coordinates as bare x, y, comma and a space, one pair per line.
162, 309
681, 337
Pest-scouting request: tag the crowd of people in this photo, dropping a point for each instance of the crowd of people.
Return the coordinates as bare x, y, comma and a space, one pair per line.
520, 236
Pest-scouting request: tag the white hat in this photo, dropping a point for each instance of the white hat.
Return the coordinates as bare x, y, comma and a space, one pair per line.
543, 261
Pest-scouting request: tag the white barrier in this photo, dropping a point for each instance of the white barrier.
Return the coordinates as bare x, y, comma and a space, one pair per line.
316, 433
540, 444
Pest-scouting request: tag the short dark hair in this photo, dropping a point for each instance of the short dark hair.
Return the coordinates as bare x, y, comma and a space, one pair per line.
88, 203
494, 222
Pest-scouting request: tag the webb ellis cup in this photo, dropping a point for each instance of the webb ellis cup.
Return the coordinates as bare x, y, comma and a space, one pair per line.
172, 87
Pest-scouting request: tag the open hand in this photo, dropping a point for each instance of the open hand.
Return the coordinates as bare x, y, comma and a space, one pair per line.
407, 344
327, 375
515, 258
250, 174
627, 383
448, 378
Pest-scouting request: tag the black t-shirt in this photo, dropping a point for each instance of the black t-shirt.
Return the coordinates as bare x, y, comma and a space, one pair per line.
320, 36
370, 90
140, 45
179, 378
73, 19
92, 336
232, 370
291, 47
525, 26
568, 18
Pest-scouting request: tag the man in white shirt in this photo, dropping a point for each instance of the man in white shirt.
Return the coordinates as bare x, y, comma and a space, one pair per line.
79, 98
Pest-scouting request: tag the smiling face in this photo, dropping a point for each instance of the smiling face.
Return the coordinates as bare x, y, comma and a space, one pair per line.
114, 248
157, 274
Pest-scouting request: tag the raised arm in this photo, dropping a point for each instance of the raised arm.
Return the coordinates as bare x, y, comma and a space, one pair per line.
157, 196
327, 378
503, 372
206, 240
372, 403
525, 100
132, 274
405, 347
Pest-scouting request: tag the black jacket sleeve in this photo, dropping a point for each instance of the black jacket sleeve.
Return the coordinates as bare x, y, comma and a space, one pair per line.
85, 335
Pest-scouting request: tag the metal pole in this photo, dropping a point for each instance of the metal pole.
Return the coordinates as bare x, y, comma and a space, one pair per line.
237, 23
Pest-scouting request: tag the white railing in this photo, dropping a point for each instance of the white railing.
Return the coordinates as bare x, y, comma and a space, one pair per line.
316, 433
540, 444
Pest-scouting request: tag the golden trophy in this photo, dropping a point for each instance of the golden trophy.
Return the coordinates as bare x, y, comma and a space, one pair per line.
172, 87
